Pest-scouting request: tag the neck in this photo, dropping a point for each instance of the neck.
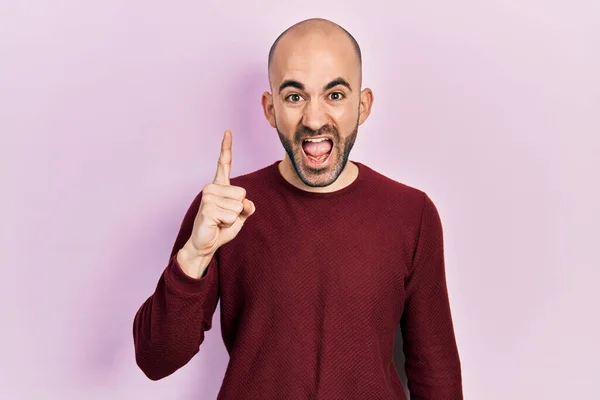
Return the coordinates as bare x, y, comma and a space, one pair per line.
348, 175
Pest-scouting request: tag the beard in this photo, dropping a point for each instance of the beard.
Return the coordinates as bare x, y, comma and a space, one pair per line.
318, 177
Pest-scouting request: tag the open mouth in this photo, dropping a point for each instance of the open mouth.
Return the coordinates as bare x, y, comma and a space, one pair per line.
317, 150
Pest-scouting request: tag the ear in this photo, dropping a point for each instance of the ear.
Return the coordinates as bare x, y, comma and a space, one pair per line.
366, 102
267, 105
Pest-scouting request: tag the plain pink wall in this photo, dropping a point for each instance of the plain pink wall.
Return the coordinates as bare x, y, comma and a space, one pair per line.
111, 116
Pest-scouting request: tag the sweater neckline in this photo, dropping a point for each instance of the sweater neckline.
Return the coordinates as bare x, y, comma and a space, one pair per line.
281, 181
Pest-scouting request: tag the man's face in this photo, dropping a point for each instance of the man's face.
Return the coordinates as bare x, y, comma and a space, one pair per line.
316, 105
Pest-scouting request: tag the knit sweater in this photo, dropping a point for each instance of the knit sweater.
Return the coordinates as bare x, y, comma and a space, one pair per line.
311, 292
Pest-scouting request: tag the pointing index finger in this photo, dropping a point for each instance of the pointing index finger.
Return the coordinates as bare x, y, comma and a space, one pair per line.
224, 164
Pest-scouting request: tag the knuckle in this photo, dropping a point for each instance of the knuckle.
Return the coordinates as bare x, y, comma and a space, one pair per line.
207, 198
204, 210
229, 217
208, 188
239, 206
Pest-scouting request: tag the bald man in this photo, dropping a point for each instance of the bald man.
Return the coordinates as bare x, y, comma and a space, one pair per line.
315, 259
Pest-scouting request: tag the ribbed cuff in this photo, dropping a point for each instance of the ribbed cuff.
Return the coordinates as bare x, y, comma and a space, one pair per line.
186, 283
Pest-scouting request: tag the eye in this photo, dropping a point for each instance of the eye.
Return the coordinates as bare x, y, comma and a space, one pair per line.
336, 96
294, 97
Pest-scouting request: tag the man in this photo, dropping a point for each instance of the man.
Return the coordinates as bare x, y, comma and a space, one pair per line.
316, 271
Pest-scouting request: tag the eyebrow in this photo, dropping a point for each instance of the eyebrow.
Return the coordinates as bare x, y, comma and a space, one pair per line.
290, 83
337, 82
300, 86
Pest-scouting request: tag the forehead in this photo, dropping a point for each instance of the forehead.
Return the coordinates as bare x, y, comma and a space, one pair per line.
315, 60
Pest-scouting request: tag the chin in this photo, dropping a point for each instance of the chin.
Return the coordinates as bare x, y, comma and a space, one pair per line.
316, 180
318, 174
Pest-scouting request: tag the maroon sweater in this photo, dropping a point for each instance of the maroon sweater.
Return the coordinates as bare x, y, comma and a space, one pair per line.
311, 292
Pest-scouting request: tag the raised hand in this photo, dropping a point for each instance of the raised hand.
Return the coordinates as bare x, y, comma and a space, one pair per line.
221, 215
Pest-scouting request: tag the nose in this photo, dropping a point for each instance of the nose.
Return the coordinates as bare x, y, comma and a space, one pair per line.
314, 116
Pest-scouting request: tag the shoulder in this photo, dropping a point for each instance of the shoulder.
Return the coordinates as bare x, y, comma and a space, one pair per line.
397, 194
411, 208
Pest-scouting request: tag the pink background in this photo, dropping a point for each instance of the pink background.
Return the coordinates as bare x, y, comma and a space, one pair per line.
111, 116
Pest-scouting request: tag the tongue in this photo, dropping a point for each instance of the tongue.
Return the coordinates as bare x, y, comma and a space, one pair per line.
317, 149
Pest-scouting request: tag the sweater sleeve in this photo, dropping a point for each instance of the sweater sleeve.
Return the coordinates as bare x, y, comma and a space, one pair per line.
169, 327
432, 366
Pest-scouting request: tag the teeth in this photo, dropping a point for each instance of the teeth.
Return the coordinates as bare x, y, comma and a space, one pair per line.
315, 140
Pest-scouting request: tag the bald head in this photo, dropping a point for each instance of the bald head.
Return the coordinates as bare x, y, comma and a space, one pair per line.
313, 30
315, 76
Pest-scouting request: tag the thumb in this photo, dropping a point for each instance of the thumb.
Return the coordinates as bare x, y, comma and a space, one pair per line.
248, 209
